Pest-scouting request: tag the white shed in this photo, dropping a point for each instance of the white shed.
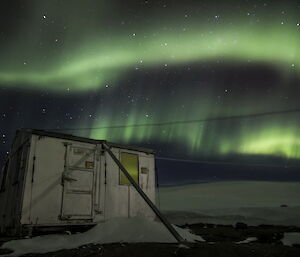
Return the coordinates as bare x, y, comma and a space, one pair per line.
54, 179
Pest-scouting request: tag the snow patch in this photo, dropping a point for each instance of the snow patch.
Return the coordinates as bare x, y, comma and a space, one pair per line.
247, 240
130, 230
291, 238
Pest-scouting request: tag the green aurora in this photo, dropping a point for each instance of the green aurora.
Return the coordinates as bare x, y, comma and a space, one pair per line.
84, 54
100, 64
87, 55
268, 136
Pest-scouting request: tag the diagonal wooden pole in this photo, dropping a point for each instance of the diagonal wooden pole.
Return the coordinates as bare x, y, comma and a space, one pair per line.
144, 196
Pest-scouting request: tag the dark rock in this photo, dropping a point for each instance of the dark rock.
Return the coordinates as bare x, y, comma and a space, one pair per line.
241, 225
265, 226
278, 236
209, 225
5, 251
267, 238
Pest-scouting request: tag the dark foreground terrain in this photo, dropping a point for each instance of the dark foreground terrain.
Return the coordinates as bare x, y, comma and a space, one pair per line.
221, 242
165, 250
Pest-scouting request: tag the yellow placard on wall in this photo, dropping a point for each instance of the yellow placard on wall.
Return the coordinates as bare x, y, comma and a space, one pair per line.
131, 164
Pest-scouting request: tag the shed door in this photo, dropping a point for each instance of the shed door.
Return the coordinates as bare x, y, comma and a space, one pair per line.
138, 168
78, 183
138, 206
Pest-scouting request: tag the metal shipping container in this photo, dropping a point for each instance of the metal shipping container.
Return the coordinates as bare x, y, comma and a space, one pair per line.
54, 179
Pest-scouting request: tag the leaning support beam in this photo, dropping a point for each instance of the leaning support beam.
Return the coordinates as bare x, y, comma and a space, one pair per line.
144, 196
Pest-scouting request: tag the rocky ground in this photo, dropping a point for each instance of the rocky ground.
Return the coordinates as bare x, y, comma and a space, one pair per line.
265, 234
221, 242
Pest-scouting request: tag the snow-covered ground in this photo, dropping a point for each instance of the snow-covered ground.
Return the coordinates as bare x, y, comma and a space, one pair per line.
220, 203
291, 238
248, 240
251, 202
131, 230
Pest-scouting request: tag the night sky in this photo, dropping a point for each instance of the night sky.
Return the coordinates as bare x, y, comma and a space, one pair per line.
85, 64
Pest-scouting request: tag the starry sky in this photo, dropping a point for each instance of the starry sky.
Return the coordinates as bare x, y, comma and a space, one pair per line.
69, 64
